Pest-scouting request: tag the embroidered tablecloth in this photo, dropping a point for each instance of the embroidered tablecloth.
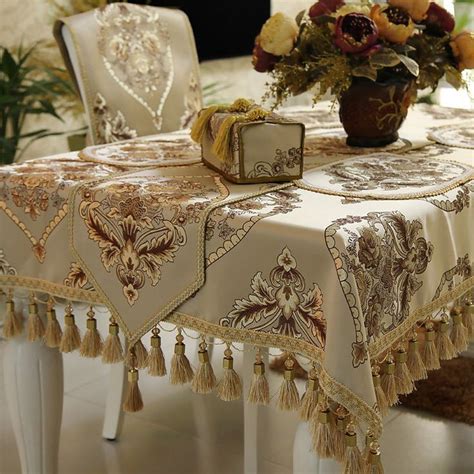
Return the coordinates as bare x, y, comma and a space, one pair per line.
337, 267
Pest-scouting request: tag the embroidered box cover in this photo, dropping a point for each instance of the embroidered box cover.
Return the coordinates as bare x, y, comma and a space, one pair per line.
261, 151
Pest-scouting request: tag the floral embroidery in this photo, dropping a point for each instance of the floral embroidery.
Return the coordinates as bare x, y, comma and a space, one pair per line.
282, 162
385, 257
135, 47
139, 224
392, 172
228, 225
192, 103
76, 278
5, 267
281, 305
463, 269
110, 129
461, 201
460, 135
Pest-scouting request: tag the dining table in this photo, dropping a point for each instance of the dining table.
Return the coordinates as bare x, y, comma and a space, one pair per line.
362, 268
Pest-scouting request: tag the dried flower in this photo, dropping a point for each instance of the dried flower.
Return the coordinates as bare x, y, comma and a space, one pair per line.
463, 49
261, 60
278, 34
394, 23
416, 8
355, 33
438, 19
324, 7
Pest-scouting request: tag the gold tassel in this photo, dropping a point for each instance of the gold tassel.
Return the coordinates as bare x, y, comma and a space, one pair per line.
230, 387
222, 143
204, 379
403, 381
443, 342
388, 382
467, 318
309, 401
112, 352
156, 359
35, 327
414, 360
53, 333
13, 322
323, 440
458, 332
369, 437
91, 345
181, 371
259, 392
430, 353
339, 433
374, 461
288, 398
200, 125
71, 339
353, 462
133, 400
314, 419
382, 401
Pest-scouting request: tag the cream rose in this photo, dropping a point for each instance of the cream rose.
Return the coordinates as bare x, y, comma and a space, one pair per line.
416, 8
278, 34
463, 49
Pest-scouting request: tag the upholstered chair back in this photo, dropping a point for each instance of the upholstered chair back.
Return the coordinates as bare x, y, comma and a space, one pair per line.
135, 68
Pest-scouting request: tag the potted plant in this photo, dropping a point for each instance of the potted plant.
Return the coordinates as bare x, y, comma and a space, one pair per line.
372, 57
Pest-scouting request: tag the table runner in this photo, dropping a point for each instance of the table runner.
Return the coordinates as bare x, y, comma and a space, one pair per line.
341, 267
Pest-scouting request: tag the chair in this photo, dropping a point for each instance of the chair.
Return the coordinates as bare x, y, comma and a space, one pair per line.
136, 70
134, 67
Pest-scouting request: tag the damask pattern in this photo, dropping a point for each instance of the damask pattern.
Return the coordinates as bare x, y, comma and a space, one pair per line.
460, 135
385, 255
462, 269
283, 161
192, 102
459, 203
135, 47
281, 305
5, 267
110, 128
139, 224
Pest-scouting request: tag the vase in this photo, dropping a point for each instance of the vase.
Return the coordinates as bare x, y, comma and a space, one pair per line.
372, 112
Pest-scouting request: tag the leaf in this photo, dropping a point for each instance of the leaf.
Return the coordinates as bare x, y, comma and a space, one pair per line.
365, 71
454, 77
410, 64
9, 66
385, 58
299, 17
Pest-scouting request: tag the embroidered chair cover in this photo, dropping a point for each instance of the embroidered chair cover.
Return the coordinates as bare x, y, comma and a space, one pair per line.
135, 68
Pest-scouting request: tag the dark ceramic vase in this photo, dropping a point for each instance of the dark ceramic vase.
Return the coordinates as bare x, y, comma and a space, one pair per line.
371, 112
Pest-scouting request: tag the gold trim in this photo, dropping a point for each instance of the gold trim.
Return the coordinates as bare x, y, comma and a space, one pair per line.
388, 340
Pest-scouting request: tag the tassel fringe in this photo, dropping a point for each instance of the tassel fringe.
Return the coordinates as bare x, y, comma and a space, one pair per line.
388, 382
35, 328
467, 318
339, 433
288, 397
133, 400
309, 402
181, 371
414, 360
374, 461
53, 333
443, 342
382, 401
13, 322
403, 381
259, 392
230, 387
156, 359
91, 345
200, 126
112, 352
71, 339
430, 353
353, 462
323, 439
458, 332
204, 379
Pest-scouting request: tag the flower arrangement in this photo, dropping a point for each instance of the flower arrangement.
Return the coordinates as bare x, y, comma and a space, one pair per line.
334, 44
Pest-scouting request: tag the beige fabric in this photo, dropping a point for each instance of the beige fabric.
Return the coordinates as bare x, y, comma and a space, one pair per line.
335, 277
135, 67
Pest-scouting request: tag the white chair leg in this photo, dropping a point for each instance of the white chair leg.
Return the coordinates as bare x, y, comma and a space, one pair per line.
251, 412
113, 419
34, 393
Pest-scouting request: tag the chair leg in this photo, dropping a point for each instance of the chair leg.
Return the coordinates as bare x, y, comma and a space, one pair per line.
34, 392
251, 412
113, 419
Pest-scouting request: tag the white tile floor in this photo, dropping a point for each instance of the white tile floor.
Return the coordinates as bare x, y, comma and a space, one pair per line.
164, 438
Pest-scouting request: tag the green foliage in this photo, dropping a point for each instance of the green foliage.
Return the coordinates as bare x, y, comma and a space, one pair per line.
25, 90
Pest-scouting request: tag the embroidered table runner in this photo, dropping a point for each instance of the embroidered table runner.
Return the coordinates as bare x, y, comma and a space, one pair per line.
340, 267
